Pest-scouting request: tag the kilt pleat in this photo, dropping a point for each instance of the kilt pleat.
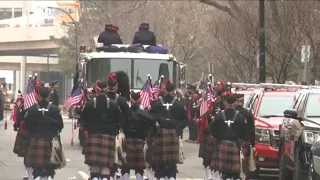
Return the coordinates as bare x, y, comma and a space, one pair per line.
39, 153
206, 148
164, 147
134, 149
226, 157
21, 144
99, 150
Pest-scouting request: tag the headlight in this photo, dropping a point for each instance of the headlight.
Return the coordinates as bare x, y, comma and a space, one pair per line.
262, 136
310, 136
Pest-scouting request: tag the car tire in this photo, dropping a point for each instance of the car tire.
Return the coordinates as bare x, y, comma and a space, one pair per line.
298, 172
284, 173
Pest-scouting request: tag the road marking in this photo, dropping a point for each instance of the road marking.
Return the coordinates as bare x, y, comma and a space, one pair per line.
83, 175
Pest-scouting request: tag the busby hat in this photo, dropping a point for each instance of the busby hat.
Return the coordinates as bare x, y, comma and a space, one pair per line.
144, 25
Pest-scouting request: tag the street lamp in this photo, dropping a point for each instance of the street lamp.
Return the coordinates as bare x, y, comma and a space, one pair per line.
75, 25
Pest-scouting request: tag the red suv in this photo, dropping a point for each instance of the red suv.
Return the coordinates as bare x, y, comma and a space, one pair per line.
267, 105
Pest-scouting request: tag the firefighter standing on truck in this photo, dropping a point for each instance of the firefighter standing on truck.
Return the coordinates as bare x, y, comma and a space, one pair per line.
144, 36
109, 36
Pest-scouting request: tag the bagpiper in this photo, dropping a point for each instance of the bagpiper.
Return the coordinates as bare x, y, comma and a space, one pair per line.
136, 130
229, 128
163, 144
21, 142
43, 122
101, 117
118, 89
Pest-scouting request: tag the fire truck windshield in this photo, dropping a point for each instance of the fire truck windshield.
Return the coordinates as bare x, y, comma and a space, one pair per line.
274, 105
137, 69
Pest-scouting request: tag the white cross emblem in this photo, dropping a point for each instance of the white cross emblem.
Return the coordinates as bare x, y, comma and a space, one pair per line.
229, 122
167, 105
43, 110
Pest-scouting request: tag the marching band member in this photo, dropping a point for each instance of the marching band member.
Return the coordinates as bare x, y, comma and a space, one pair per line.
193, 115
43, 122
230, 130
102, 118
136, 130
21, 143
164, 142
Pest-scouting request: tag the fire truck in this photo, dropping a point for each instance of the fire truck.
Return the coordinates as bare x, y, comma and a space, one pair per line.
244, 88
138, 65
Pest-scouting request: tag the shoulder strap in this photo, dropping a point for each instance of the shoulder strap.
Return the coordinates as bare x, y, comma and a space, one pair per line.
117, 97
173, 101
108, 103
235, 115
49, 105
94, 102
161, 100
38, 107
224, 115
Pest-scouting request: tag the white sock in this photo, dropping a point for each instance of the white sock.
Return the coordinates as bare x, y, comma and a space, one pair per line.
208, 173
126, 176
139, 176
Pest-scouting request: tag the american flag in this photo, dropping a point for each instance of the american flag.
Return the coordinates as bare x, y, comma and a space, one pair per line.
30, 96
206, 100
146, 94
74, 99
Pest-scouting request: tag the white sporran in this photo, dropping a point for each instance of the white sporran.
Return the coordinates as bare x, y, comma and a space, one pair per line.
182, 158
119, 154
145, 149
242, 174
252, 164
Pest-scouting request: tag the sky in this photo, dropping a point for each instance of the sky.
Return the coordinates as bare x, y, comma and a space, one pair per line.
7, 74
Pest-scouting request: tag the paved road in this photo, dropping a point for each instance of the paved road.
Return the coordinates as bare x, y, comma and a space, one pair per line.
11, 166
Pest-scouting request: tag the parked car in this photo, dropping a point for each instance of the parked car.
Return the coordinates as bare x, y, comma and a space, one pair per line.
267, 104
299, 142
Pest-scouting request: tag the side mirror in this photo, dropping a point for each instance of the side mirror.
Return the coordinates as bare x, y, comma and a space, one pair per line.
290, 114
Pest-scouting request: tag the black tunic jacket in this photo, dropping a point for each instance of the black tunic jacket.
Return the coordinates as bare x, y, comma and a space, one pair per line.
178, 113
250, 122
102, 117
137, 126
122, 103
47, 125
54, 97
237, 130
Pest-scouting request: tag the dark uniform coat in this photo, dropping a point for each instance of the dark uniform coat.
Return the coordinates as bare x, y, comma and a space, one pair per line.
250, 122
164, 142
136, 130
108, 38
230, 129
54, 97
102, 119
42, 128
144, 37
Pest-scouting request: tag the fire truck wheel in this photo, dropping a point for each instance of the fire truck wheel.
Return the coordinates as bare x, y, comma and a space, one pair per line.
284, 173
299, 172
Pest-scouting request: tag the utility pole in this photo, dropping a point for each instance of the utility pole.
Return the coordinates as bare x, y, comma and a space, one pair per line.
262, 63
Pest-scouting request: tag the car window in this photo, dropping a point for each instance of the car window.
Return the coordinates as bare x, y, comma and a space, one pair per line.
312, 107
251, 101
298, 100
274, 105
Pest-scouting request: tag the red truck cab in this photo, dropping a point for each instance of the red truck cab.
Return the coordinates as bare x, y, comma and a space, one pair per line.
267, 104
245, 89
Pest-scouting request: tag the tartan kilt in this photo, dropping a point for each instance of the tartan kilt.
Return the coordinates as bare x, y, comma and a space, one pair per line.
164, 148
21, 143
99, 150
134, 149
226, 157
206, 148
39, 153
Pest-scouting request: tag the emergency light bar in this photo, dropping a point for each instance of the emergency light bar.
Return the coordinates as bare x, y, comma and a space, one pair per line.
244, 85
279, 86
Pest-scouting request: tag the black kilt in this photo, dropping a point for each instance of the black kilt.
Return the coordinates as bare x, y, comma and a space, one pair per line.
99, 150
39, 153
226, 156
206, 148
134, 150
164, 148
21, 143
